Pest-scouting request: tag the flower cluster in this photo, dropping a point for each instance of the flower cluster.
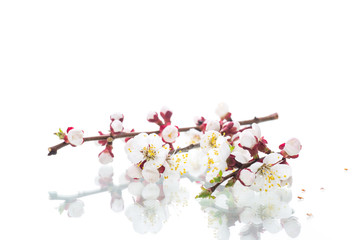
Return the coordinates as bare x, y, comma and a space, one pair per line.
219, 154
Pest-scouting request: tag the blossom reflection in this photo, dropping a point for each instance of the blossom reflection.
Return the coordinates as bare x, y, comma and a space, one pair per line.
256, 212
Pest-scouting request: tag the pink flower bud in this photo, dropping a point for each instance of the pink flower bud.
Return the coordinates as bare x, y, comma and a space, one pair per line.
212, 125
117, 116
199, 120
75, 137
106, 156
116, 126
222, 110
292, 147
247, 139
166, 114
153, 117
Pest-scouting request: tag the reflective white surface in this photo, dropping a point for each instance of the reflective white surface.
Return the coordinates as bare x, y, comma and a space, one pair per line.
76, 62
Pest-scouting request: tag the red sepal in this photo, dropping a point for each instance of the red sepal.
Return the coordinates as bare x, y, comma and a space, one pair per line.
281, 147
102, 142
128, 138
68, 129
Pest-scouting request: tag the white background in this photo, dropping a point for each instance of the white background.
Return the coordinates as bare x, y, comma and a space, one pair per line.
73, 63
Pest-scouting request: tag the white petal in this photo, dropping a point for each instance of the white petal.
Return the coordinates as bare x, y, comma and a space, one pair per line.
150, 174
247, 139
247, 177
222, 109
272, 158
256, 130
283, 171
134, 171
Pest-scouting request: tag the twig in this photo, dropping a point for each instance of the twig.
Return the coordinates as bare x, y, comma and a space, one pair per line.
53, 150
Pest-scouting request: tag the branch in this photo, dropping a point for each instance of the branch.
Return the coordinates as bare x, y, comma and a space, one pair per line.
233, 174
109, 137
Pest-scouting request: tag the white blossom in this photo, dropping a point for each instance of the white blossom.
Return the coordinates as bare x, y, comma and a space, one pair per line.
170, 133
292, 147
270, 173
117, 126
75, 137
212, 125
222, 109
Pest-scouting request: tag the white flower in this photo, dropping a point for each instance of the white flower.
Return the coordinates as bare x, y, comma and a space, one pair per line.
194, 136
247, 139
292, 147
217, 149
150, 173
117, 126
75, 137
212, 125
250, 137
76, 209
170, 133
149, 148
270, 172
197, 163
222, 109
134, 171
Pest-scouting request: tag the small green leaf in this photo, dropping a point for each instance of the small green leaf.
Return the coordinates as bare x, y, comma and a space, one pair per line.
231, 148
205, 193
230, 183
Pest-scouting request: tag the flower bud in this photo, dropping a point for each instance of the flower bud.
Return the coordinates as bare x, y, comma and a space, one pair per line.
212, 125
106, 156
247, 139
292, 147
75, 137
116, 126
222, 110
117, 116
166, 114
153, 117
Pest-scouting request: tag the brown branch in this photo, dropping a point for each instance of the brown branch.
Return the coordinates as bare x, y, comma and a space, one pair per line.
53, 150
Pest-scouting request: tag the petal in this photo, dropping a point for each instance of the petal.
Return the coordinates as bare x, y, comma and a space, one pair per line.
272, 158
